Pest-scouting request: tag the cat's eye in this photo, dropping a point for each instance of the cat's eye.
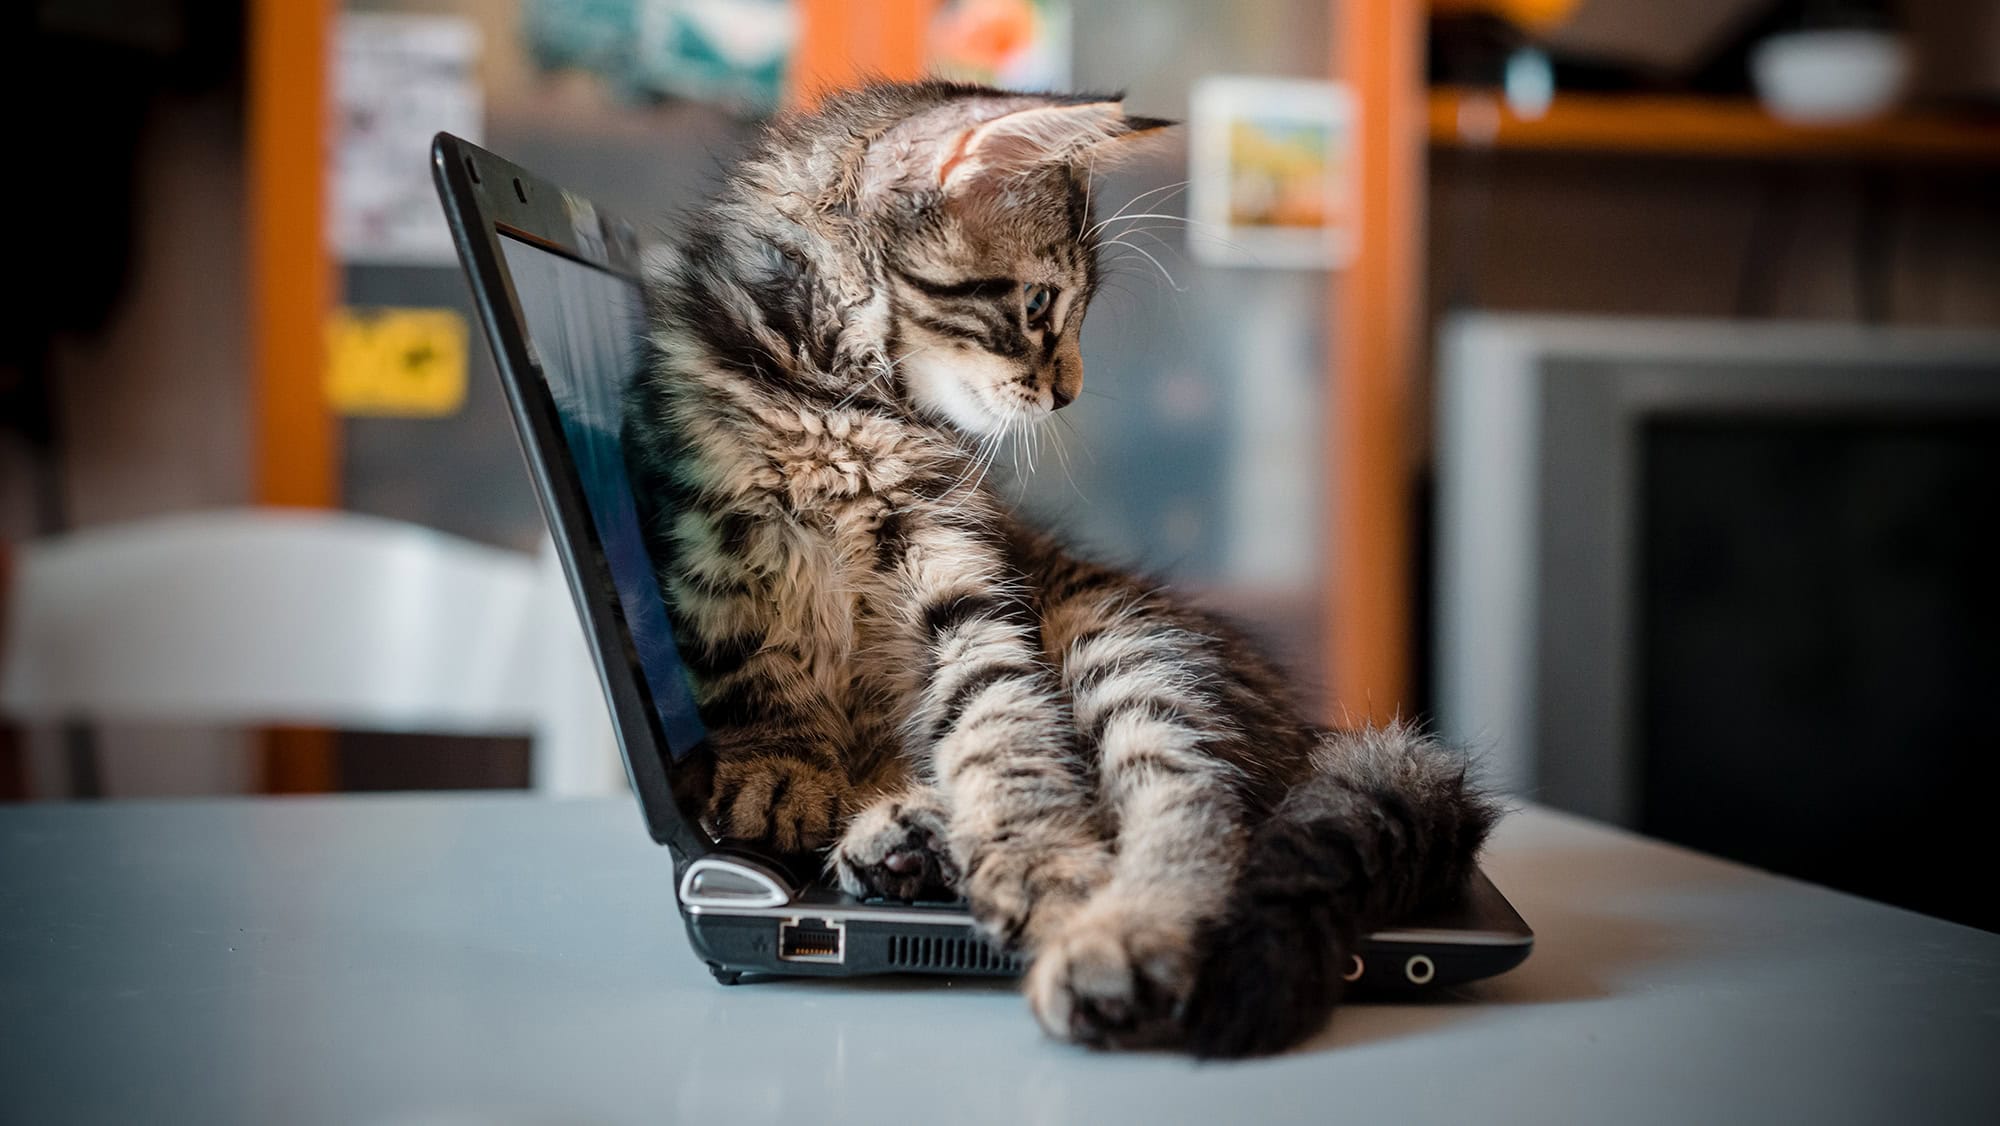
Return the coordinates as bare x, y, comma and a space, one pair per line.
1039, 301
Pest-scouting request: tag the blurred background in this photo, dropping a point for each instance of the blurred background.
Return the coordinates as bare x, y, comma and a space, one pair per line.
1614, 384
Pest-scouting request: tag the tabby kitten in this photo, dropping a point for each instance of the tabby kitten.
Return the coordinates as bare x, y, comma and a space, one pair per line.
892, 664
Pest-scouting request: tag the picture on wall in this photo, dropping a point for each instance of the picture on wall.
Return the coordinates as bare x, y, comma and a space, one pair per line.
1018, 44
1271, 173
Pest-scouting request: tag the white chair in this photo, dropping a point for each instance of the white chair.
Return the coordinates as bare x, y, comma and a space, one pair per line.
275, 616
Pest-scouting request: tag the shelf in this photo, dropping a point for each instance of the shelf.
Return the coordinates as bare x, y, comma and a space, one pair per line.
1697, 126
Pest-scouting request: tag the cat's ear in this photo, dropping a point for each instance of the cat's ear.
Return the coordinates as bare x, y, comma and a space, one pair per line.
972, 147
1042, 136
1137, 135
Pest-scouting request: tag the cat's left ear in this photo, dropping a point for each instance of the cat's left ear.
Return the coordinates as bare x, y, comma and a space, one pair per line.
1037, 137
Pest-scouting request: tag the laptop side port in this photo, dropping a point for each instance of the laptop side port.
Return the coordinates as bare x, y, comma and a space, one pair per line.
812, 940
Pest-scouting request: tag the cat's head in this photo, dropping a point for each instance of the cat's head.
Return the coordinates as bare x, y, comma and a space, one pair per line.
947, 230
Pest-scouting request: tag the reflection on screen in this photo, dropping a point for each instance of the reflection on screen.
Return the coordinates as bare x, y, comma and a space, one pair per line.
584, 326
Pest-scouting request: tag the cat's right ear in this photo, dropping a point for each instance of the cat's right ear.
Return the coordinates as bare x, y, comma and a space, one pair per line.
1026, 140
972, 149
1135, 136
1077, 133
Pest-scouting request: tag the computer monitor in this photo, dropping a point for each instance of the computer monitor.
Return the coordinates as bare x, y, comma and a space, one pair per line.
1730, 584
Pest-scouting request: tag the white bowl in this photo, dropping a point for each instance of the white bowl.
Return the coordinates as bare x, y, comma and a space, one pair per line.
1830, 77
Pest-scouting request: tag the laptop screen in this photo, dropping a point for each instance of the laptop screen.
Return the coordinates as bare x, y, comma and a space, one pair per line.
584, 328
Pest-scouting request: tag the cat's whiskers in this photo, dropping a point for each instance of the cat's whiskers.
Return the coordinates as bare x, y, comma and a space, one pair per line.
1151, 232
1078, 434
1152, 215
992, 457
1195, 228
1119, 258
1089, 182
1124, 212
1062, 454
887, 370
986, 452
866, 385
980, 451
1112, 278
1128, 250
1164, 272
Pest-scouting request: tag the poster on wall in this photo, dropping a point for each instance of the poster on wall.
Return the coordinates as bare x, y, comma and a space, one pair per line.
1271, 173
1017, 44
731, 53
397, 79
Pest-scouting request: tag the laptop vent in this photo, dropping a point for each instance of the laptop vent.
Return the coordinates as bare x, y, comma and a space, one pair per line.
970, 955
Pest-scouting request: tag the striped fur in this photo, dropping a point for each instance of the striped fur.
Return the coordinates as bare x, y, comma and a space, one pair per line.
893, 665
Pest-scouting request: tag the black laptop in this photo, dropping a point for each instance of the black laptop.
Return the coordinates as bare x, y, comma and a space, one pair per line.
556, 280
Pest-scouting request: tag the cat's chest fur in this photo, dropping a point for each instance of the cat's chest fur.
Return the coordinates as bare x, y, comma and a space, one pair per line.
832, 489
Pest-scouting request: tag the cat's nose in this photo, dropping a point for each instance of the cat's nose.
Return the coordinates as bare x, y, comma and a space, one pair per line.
1066, 374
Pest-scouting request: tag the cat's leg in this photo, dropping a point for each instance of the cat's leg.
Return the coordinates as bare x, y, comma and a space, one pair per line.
899, 846
1155, 695
995, 734
779, 776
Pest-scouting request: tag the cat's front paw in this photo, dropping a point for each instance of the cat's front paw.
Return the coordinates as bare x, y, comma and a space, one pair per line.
1021, 892
786, 803
898, 848
1114, 976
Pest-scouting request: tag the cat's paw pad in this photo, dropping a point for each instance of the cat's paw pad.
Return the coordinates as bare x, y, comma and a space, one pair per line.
785, 803
898, 849
1112, 979
1022, 891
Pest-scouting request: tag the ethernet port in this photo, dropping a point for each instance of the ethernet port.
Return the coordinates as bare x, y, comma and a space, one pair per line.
812, 940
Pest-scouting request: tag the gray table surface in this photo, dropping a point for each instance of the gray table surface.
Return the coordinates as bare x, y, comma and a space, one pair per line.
478, 959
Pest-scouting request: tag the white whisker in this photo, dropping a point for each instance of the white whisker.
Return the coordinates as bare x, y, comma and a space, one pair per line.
1181, 219
887, 369
1078, 435
990, 460
1089, 181
1131, 203
1164, 272
1062, 456
1162, 243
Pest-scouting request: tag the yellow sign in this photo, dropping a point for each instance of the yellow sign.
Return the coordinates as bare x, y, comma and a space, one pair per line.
406, 363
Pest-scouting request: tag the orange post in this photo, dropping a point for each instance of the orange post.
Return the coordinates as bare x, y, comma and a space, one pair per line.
294, 440
849, 41
1378, 51
291, 271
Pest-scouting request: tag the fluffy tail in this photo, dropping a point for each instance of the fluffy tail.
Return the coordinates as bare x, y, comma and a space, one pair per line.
1387, 823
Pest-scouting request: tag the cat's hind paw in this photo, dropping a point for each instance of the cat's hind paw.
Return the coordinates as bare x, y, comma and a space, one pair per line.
1112, 977
898, 848
1023, 891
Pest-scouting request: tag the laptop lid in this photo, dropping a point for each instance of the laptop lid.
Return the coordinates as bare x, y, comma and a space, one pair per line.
556, 282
